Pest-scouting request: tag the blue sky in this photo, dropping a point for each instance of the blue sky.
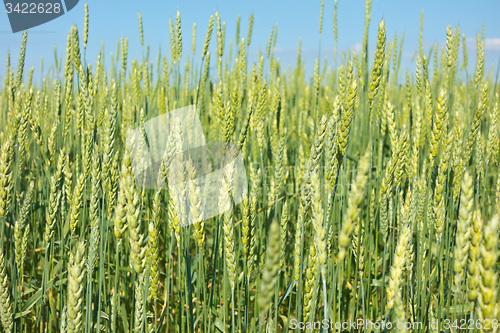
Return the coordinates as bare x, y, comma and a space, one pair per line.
112, 19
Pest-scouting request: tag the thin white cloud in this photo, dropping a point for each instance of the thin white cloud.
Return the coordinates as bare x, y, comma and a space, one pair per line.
470, 41
357, 47
490, 44
292, 51
285, 49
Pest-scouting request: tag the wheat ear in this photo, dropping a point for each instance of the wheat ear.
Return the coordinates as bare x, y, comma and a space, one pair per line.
271, 270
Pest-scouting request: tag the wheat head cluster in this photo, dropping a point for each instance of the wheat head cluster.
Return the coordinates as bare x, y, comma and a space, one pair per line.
373, 191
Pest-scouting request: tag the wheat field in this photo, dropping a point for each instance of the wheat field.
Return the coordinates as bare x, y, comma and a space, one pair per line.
373, 193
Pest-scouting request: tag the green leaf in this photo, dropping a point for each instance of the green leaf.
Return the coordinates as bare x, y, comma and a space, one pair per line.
36, 296
123, 315
219, 325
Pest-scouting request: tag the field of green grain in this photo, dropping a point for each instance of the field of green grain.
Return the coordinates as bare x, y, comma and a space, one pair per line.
372, 193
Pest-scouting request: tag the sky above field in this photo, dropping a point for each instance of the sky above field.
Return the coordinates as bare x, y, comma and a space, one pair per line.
112, 19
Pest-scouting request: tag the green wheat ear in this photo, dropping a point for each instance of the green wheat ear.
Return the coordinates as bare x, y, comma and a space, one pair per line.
311, 275
95, 220
141, 30
178, 34
86, 27
474, 258
354, 206
5, 177
76, 285
271, 269
284, 231
5, 302
20, 229
22, 57
397, 269
487, 298
463, 230
250, 28
378, 63
137, 239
